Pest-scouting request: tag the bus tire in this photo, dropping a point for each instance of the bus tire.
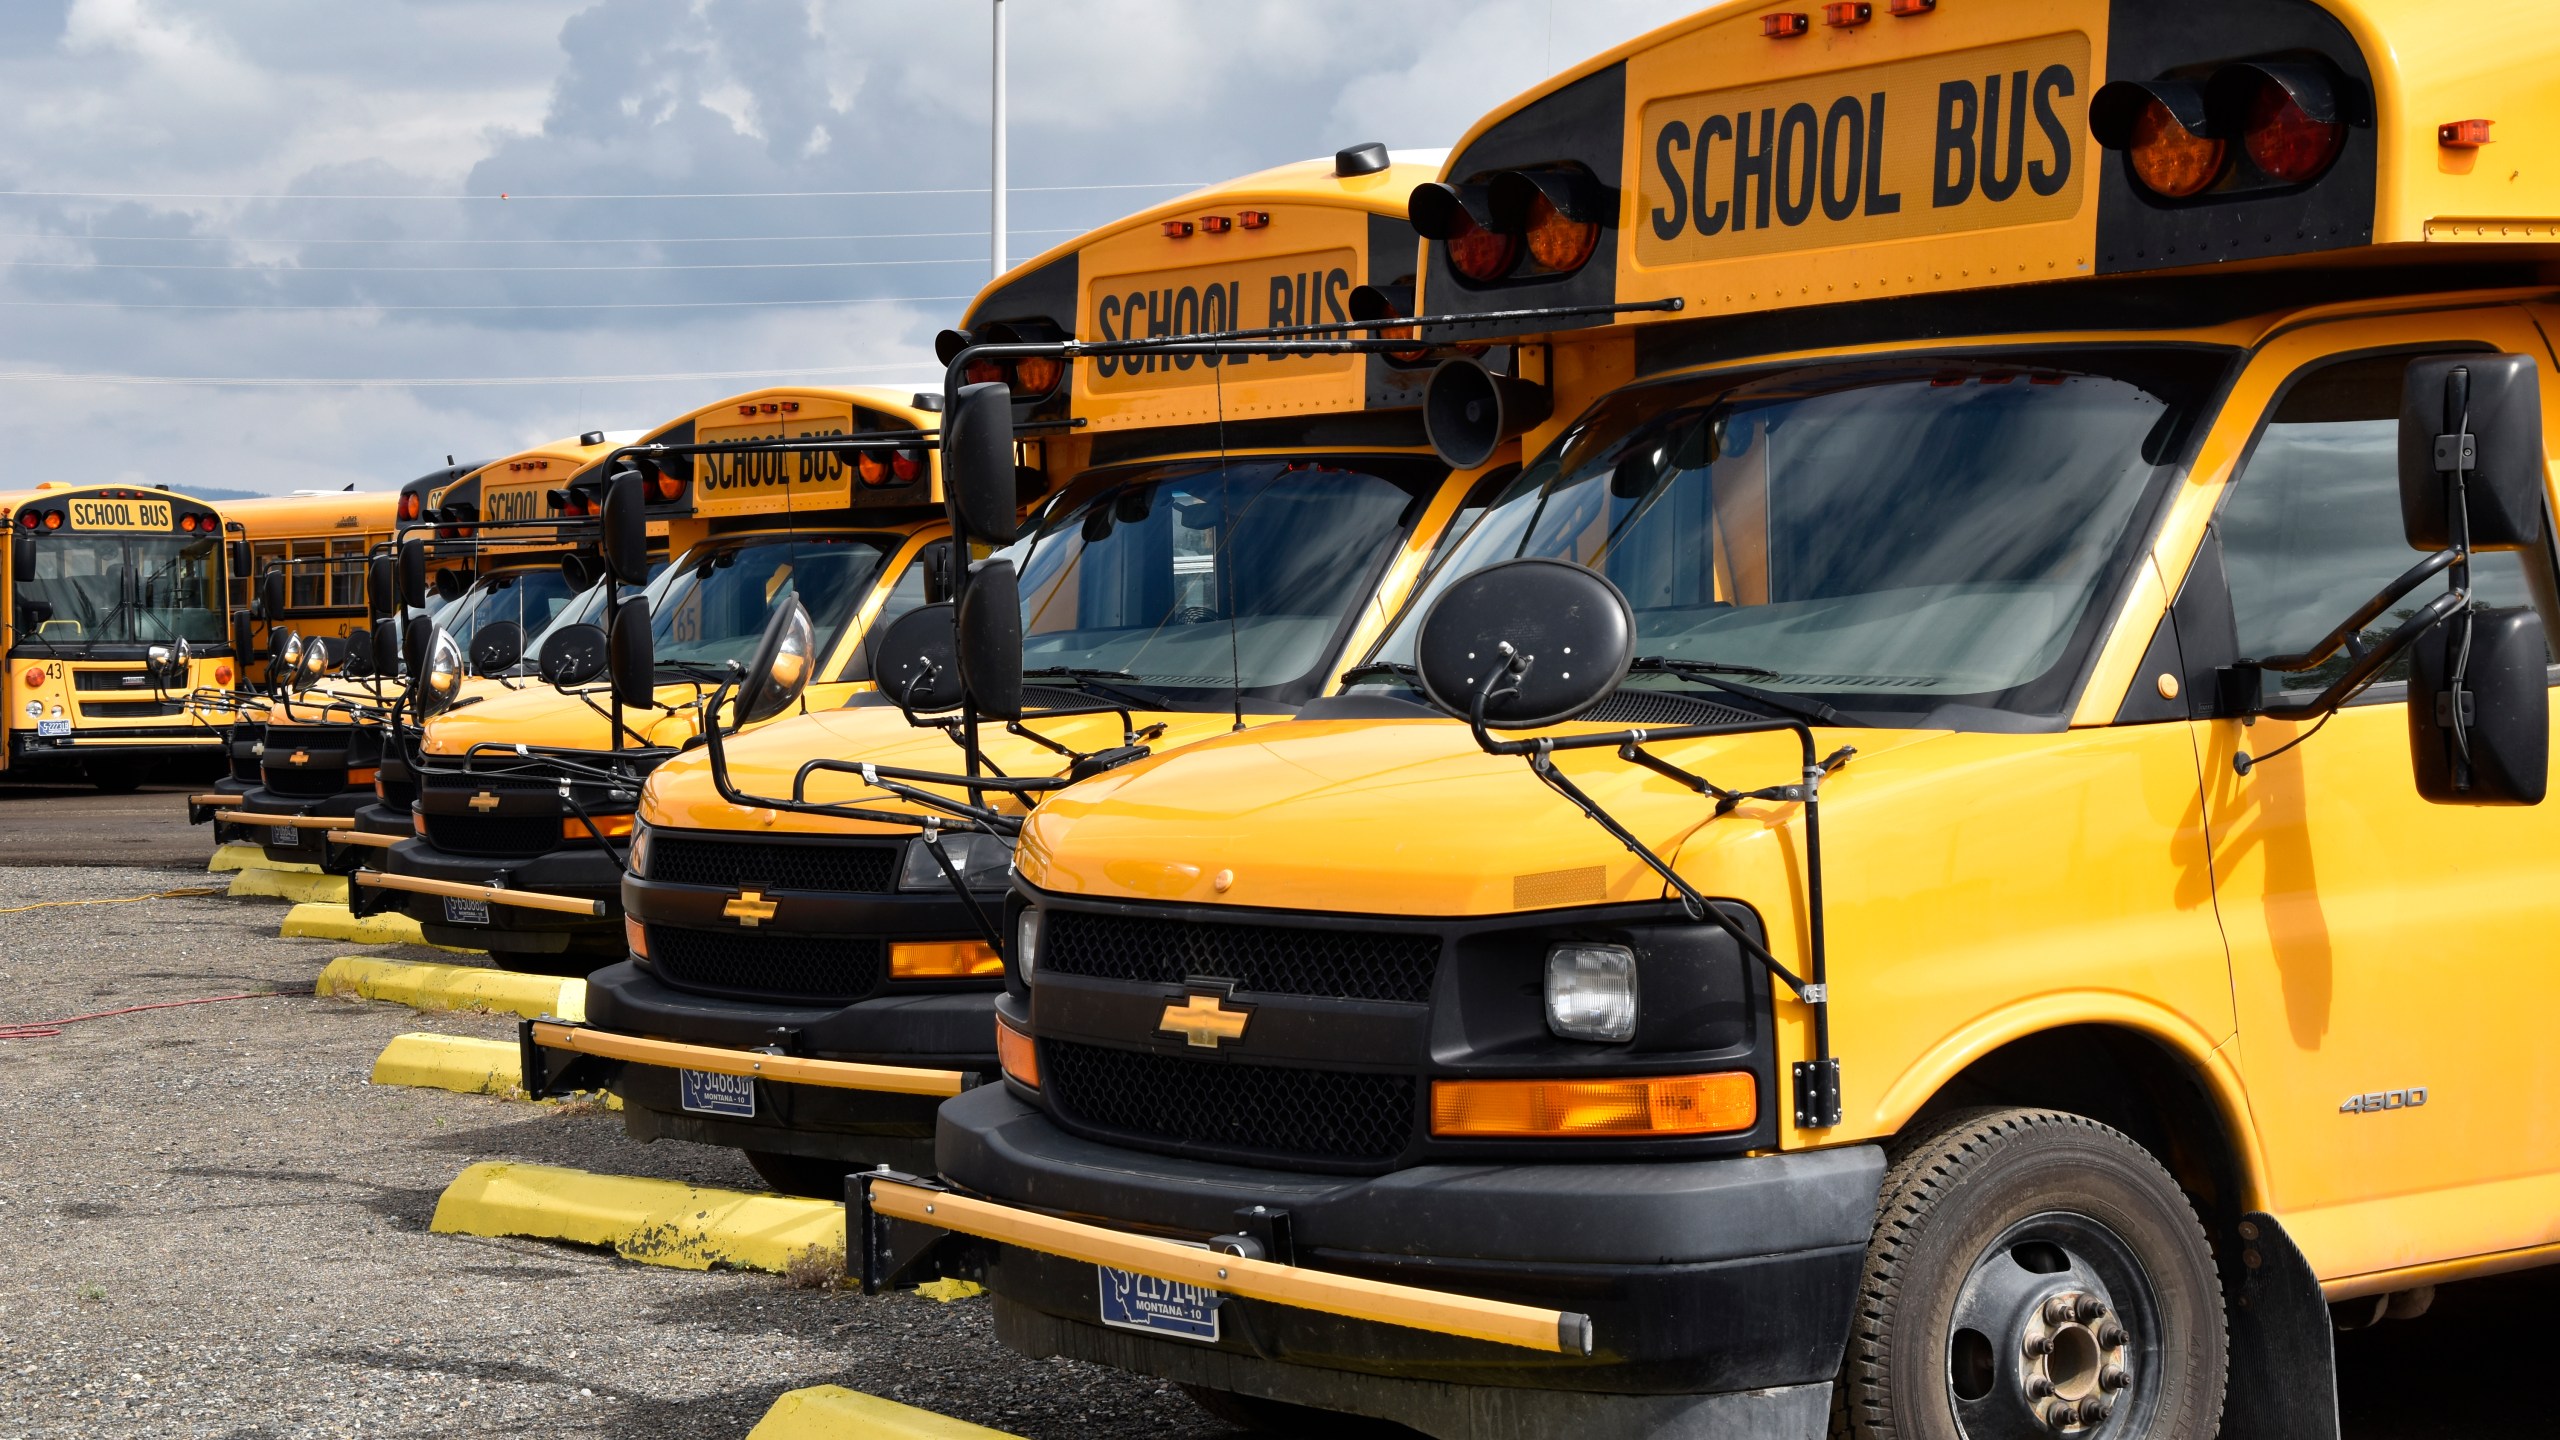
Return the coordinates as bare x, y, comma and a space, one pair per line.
117, 777
2032, 1272
804, 1175
1256, 1415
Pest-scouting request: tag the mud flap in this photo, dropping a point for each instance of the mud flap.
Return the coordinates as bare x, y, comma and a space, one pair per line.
893, 1254
2284, 1372
549, 1072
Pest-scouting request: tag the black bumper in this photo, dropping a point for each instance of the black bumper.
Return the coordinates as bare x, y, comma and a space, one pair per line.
585, 872
243, 822
947, 1031
1700, 1277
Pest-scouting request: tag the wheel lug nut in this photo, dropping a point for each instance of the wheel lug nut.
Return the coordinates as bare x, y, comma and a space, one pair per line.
2038, 1387
2111, 1335
2094, 1409
2039, 1344
2114, 1377
2089, 1308
2058, 1310
2059, 1414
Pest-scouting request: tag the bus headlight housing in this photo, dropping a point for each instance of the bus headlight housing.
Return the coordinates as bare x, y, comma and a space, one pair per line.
443, 680
639, 850
1591, 991
1026, 943
985, 862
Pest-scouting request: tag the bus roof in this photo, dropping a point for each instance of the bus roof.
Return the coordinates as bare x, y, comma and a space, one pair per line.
718, 486
1744, 160
10, 500
343, 512
1281, 247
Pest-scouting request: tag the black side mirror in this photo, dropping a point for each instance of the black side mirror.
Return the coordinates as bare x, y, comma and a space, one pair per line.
417, 643
1532, 642
235, 556
271, 594
243, 627
916, 660
633, 654
386, 646
496, 647
22, 553
2486, 741
381, 586
990, 639
936, 560
977, 463
2473, 424
624, 541
573, 655
359, 652
778, 672
1468, 411
413, 573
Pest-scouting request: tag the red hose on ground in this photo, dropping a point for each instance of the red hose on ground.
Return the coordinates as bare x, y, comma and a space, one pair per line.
47, 1029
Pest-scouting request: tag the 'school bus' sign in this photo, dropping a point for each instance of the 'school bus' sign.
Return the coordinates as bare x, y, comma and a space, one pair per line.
1272, 292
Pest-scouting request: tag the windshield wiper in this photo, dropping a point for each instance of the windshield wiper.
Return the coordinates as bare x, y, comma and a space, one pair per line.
1377, 668
1118, 682
1713, 673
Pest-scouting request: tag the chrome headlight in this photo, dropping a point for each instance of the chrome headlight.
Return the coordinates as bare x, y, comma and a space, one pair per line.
1026, 944
292, 650
1591, 991
985, 862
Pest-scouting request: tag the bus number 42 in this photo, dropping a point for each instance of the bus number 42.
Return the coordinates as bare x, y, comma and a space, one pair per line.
2374, 1102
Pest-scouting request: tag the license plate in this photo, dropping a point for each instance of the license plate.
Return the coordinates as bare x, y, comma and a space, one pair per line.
285, 835
704, 1093
53, 727
465, 912
1159, 1307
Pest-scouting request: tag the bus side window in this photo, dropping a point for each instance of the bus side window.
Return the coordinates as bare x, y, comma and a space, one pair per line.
346, 574
2312, 527
309, 588
904, 596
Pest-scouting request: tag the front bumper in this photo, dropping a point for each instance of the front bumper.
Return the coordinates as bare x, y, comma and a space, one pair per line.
1703, 1277
262, 818
587, 873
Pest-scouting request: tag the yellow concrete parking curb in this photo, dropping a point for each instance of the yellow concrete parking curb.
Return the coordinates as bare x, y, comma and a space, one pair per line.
298, 886
318, 921
453, 987
656, 1222
240, 855
831, 1412
460, 1063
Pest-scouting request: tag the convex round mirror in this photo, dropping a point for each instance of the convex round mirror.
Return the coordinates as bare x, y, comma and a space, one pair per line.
1572, 629
573, 655
916, 660
779, 670
357, 649
496, 647
441, 684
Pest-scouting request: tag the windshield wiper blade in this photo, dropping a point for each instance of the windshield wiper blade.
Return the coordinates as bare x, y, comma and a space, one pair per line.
1118, 681
1396, 669
1711, 673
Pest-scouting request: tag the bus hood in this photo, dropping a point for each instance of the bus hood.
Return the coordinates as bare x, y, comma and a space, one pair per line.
1410, 818
537, 715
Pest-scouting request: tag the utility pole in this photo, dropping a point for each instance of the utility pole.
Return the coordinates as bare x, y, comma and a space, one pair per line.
995, 185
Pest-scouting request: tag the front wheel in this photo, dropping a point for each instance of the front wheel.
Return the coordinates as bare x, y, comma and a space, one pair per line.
2033, 1274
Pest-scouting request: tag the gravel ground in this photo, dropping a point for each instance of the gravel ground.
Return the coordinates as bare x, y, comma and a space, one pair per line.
218, 1228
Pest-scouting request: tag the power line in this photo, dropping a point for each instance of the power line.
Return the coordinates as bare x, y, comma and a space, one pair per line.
548, 239
674, 195
478, 269
609, 305
444, 382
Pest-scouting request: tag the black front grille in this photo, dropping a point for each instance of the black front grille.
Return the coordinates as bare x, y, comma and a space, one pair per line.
131, 709
110, 680
493, 784
493, 834
1278, 959
244, 765
843, 869
1251, 1111
289, 738
307, 781
395, 793
750, 963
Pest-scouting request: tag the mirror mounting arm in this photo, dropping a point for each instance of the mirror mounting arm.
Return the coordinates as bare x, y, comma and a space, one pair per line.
977, 913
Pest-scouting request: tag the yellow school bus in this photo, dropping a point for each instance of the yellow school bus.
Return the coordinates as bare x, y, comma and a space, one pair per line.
114, 614
850, 532
1954, 857
1220, 531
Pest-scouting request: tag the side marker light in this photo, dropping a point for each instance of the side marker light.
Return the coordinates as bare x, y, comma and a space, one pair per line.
2463, 134
1786, 25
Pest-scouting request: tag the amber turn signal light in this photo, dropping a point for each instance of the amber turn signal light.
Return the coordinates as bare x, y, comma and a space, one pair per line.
943, 960
1015, 1052
614, 826
1656, 1105
635, 935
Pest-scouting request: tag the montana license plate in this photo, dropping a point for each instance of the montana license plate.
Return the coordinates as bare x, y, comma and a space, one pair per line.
1159, 1307
458, 911
53, 727
704, 1093
284, 835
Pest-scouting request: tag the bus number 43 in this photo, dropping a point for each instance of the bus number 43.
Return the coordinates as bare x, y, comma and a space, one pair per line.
2374, 1102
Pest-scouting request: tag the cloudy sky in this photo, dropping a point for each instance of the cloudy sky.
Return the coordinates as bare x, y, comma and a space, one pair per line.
263, 190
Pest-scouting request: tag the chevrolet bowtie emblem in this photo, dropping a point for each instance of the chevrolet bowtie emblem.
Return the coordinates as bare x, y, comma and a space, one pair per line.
484, 801
1204, 1020
299, 757
749, 908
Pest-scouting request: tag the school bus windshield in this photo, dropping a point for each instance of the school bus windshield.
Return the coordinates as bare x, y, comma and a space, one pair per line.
717, 603
121, 590
1896, 537
1201, 578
